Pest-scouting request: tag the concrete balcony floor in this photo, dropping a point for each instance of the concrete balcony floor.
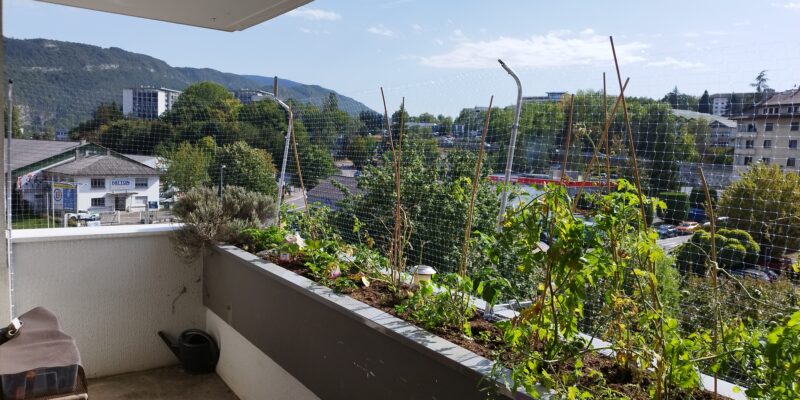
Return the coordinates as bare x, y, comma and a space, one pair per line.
170, 383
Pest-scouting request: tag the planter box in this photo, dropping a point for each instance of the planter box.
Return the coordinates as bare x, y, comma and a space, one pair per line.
337, 347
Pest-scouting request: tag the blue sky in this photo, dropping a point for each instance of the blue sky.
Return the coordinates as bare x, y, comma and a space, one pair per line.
440, 54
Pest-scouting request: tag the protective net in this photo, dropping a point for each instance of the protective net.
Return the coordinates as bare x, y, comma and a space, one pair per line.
724, 162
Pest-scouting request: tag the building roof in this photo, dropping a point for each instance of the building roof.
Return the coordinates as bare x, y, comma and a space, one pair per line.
101, 165
150, 161
708, 117
328, 191
25, 152
783, 98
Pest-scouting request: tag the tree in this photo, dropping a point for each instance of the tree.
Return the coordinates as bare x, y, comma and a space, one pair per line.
764, 203
760, 84
735, 105
187, 165
16, 131
361, 150
435, 197
677, 206
704, 105
245, 166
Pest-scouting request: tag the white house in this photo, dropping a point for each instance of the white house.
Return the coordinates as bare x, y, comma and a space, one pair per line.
109, 183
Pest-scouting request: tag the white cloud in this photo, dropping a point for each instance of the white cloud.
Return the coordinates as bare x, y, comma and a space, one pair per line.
380, 30
417, 28
315, 14
555, 49
671, 62
788, 6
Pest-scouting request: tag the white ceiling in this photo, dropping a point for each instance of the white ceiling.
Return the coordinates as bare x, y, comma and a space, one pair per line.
224, 15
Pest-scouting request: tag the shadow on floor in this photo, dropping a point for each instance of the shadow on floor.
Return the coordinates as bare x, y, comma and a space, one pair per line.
170, 383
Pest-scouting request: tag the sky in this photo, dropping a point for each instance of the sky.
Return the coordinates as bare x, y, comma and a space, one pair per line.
441, 55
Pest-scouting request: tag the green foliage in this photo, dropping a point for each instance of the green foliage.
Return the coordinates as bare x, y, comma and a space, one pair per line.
187, 166
755, 302
443, 304
698, 197
677, 203
735, 249
16, 131
207, 220
764, 204
431, 193
361, 151
246, 167
256, 240
774, 357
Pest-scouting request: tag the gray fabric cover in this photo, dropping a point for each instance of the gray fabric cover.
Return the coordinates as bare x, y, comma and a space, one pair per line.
39, 344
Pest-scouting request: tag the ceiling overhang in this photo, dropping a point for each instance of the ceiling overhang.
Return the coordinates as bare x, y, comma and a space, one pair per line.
224, 15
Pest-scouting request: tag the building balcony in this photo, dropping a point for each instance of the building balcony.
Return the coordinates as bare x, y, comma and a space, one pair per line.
281, 336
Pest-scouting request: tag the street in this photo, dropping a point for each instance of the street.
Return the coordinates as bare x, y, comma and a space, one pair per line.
669, 244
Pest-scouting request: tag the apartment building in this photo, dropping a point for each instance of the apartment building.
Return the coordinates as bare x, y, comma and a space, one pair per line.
769, 133
148, 102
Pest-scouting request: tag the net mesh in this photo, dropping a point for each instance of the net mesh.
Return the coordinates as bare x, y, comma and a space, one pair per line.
127, 158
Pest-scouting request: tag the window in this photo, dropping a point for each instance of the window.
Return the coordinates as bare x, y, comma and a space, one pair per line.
749, 144
747, 160
766, 160
768, 144
751, 128
790, 162
98, 201
98, 183
795, 126
769, 127
141, 183
793, 144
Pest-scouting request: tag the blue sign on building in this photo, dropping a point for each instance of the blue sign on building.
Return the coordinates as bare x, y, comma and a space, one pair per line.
70, 199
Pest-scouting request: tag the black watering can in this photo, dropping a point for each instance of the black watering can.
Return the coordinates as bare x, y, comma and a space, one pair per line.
196, 350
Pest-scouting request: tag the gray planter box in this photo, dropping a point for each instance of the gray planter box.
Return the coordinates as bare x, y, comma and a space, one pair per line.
336, 346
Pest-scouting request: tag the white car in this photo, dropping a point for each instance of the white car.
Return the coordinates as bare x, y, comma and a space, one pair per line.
83, 215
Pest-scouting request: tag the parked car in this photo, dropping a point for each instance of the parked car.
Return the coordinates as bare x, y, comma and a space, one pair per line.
780, 264
83, 215
666, 231
752, 273
687, 227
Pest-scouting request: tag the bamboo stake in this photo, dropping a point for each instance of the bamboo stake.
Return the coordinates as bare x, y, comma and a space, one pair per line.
643, 227
604, 137
395, 251
569, 138
631, 145
468, 230
715, 332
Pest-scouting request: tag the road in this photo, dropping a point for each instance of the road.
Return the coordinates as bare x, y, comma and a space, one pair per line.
671, 243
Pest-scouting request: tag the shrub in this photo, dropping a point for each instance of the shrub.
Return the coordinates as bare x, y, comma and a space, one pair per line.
677, 206
207, 220
735, 249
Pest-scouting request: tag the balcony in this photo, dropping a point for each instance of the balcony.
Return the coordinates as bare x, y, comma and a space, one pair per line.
114, 287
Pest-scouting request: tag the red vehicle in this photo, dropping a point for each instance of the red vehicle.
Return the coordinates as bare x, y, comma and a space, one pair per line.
687, 227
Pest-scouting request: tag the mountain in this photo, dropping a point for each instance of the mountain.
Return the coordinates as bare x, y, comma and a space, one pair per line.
58, 84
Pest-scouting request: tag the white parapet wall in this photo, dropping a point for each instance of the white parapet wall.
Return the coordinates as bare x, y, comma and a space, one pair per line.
250, 373
113, 288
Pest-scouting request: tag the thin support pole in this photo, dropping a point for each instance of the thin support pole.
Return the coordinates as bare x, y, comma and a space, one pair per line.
9, 179
512, 144
287, 143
